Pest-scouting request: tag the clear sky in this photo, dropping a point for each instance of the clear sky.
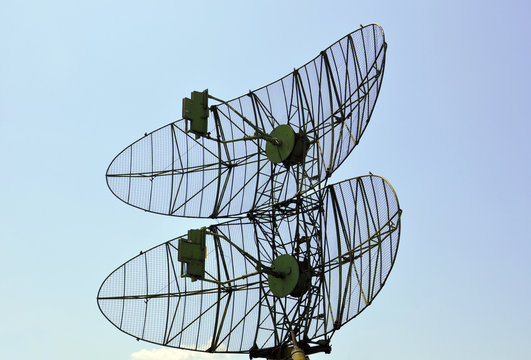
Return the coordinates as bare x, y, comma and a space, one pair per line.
81, 80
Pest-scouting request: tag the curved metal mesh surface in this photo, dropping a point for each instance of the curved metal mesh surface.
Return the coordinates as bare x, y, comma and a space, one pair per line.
347, 232
330, 100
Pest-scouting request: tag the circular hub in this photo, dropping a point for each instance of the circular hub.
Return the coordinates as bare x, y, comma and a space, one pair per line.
286, 137
288, 268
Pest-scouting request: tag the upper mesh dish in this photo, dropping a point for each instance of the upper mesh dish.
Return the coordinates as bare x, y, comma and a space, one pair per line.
329, 101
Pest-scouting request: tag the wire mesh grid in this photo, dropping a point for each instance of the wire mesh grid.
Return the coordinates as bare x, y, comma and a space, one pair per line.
329, 101
346, 234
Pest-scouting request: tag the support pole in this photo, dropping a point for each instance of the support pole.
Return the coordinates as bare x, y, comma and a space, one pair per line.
296, 353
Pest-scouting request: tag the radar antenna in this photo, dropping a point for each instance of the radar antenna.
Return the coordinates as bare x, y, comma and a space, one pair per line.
293, 258
227, 158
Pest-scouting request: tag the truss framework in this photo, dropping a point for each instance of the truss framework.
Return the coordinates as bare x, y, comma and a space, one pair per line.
341, 239
347, 233
227, 173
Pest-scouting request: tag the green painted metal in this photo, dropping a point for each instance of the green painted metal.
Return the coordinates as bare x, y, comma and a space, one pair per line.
192, 254
286, 142
305, 279
334, 268
195, 110
300, 149
287, 268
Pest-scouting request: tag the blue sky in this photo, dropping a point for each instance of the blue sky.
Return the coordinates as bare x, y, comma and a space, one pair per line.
79, 81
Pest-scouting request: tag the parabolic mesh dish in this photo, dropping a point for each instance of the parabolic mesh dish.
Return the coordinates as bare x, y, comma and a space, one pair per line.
328, 101
347, 233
